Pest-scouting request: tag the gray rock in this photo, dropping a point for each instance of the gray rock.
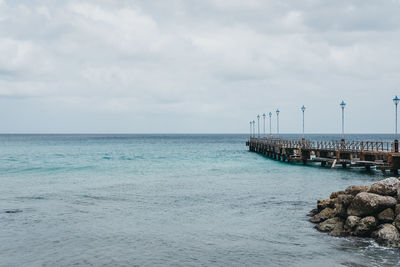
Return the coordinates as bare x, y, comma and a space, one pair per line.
396, 222
387, 235
370, 204
397, 210
345, 199
338, 230
325, 214
355, 189
386, 216
386, 187
329, 224
336, 194
325, 203
312, 212
340, 210
365, 226
352, 222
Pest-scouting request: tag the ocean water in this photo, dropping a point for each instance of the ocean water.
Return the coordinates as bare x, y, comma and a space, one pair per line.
168, 200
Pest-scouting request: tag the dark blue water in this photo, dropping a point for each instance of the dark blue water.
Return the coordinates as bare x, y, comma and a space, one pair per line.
167, 200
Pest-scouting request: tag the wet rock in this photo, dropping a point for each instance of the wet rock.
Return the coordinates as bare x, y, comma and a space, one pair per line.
325, 203
369, 203
387, 235
340, 210
365, 226
336, 194
325, 214
396, 222
345, 199
386, 216
338, 230
386, 187
352, 222
397, 210
312, 213
355, 189
328, 225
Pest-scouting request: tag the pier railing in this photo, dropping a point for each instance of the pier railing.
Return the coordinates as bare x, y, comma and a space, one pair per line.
356, 146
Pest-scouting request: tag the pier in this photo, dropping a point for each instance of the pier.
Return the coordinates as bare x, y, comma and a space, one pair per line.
383, 156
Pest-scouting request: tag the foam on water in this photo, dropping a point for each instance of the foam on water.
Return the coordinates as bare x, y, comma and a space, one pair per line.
183, 200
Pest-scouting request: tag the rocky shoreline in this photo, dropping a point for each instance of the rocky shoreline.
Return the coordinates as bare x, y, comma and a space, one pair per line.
363, 211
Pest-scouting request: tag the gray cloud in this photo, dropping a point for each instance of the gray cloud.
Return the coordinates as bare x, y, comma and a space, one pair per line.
196, 66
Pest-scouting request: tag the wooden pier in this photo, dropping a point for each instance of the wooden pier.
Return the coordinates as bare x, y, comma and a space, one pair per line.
383, 156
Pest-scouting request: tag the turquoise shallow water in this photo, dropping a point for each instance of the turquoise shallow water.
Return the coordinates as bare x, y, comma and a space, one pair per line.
167, 200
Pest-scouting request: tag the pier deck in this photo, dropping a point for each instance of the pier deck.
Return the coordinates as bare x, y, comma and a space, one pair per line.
366, 154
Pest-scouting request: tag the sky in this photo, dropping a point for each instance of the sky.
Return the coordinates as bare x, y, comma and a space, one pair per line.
189, 66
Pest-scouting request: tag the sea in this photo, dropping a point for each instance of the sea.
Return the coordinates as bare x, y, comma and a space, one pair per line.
169, 200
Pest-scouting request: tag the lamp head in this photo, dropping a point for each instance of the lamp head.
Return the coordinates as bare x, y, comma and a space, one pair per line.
303, 108
342, 104
396, 100
277, 111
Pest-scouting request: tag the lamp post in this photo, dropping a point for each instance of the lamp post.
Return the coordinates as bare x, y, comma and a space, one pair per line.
264, 123
270, 124
303, 108
342, 105
258, 125
396, 101
251, 133
277, 122
254, 129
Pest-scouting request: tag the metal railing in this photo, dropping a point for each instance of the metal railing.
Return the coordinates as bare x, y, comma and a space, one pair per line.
352, 146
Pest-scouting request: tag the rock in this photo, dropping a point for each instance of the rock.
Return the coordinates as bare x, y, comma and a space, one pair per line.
338, 230
386, 216
340, 210
336, 194
345, 199
312, 212
387, 235
386, 187
396, 221
352, 222
325, 203
355, 189
397, 210
325, 214
369, 204
365, 226
329, 224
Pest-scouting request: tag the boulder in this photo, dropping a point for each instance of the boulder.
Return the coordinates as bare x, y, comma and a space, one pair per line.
386, 216
325, 214
325, 203
386, 187
345, 199
396, 221
312, 212
387, 235
351, 222
340, 210
365, 226
329, 225
338, 230
397, 210
336, 194
369, 204
355, 189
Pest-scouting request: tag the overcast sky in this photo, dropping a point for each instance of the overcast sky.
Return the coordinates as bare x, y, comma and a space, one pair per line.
210, 66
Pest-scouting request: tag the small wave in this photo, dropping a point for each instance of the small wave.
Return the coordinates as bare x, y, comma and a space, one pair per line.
13, 211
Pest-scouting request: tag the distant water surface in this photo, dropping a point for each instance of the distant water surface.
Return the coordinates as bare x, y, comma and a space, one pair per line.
168, 200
